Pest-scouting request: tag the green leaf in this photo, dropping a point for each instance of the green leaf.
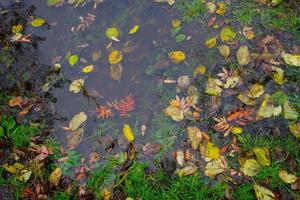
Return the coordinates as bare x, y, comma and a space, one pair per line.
73, 60
279, 97
1, 132
37, 22
180, 38
53, 2
175, 31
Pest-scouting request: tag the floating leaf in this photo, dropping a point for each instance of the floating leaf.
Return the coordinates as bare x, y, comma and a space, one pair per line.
74, 138
221, 8
262, 155
77, 120
286, 177
250, 167
88, 69
112, 33
127, 133
227, 34
295, 129
278, 75
289, 112
55, 176
214, 168
176, 23
15, 101
199, 70
37, 22
170, 2
180, 38
115, 57
134, 29
73, 60
175, 113
224, 50
256, 91
214, 87
116, 72
243, 55
53, 2
263, 193
177, 56
211, 42
292, 59
76, 85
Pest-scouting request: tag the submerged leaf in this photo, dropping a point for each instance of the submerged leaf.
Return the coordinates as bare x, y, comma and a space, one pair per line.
127, 133
195, 136
176, 23
266, 109
212, 151
74, 138
278, 75
187, 170
77, 120
37, 22
211, 42
116, 72
199, 70
256, 91
289, 112
214, 168
175, 113
112, 32
243, 55
76, 85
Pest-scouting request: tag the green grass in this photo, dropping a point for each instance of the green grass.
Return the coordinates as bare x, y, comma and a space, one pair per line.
191, 9
244, 192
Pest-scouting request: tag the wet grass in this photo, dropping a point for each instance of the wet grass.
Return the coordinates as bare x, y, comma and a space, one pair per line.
191, 9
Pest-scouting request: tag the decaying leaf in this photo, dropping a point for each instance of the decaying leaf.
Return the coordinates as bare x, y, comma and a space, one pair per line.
243, 55
15, 101
177, 56
25, 175
214, 168
175, 23
263, 193
55, 176
76, 86
214, 87
15, 168
211, 42
116, 72
287, 178
227, 34
74, 138
289, 112
295, 129
77, 120
267, 108
262, 155
211, 150
199, 70
255, 91
248, 32
115, 57
221, 8
250, 167
174, 112
292, 59
170, 2
127, 133
187, 170
195, 136
224, 50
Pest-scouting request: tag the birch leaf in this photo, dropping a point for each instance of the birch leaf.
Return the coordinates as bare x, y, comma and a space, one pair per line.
177, 56
243, 55
115, 57
227, 34
211, 42
88, 69
37, 22
76, 85
77, 120
224, 50
127, 133
112, 33
250, 167
292, 59
73, 60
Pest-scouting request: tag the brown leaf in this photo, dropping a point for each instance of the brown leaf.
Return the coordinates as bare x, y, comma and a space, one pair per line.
55, 176
15, 101
74, 138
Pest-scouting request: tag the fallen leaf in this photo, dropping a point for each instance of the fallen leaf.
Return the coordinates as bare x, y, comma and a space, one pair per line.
266, 109
236, 130
88, 69
77, 120
105, 194
177, 56
112, 33
37, 22
211, 42
175, 23
214, 168
255, 91
76, 85
115, 57
15, 101
263, 193
73, 60
94, 157
243, 55
15, 168
211, 151
170, 2
221, 8
187, 170
262, 155
195, 136
289, 112
295, 129
127, 133
25, 175
287, 178
74, 138
278, 75
246, 99
134, 29
116, 72
214, 87
175, 113
180, 157
250, 167
227, 34
248, 32
199, 70
55, 176
292, 59
211, 7
224, 50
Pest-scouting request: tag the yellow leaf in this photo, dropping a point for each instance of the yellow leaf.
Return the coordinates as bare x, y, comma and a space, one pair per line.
248, 32
176, 23
112, 32
175, 113
127, 132
115, 57
289, 112
214, 168
245, 99
88, 69
214, 87
278, 75
262, 155
250, 167
76, 85
211, 7
224, 50
105, 194
243, 55
266, 109
134, 29
25, 175
13, 169
199, 70
77, 120
263, 193
292, 59
17, 28
221, 8
55, 176
295, 129
211, 42
236, 130
187, 170
195, 136
212, 151
177, 56
286, 177
231, 82
256, 91
227, 34
37, 22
